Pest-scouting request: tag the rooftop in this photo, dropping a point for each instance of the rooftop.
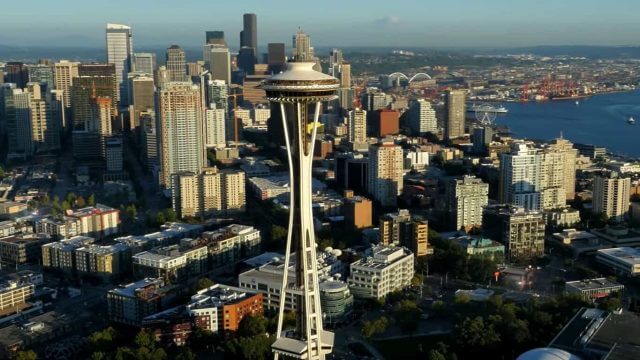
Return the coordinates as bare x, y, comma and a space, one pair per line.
592, 284
217, 295
625, 254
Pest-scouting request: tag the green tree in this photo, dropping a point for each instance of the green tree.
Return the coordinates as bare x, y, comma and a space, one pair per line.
612, 303
25, 355
249, 348
203, 283
436, 355
91, 201
407, 315
278, 233
289, 319
65, 205
145, 339
185, 354
252, 325
475, 334
104, 340
80, 202
170, 215
71, 198
160, 219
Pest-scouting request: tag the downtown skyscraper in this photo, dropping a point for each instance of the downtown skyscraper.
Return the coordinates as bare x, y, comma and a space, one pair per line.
180, 130
454, 114
249, 33
119, 53
176, 63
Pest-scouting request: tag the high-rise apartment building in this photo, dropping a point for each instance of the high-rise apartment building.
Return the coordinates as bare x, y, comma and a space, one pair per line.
465, 199
358, 211
210, 192
217, 94
422, 118
611, 196
358, 129
521, 231
149, 140
180, 119
17, 104
176, 63
218, 61
64, 73
387, 122
454, 114
119, 53
385, 180
215, 127
45, 127
521, 177
565, 147
144, 63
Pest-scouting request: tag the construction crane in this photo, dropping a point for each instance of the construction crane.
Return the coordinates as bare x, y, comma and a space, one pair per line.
235, 116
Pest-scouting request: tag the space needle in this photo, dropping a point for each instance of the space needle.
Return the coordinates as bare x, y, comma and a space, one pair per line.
300, 91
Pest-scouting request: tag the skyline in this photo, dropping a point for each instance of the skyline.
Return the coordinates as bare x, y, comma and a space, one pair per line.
459, 23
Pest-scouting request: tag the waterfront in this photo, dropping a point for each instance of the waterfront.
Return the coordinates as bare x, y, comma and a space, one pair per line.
599, 120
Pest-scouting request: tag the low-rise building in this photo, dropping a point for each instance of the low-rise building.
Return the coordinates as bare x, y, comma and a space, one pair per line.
384, 270
221, 307
170, 234
172, 263
105, 261
231, 244
129, 304
478, 245
579, 242
562, 217
521, 231
336, 300
22, 248
622, 261
591, 289
7, 228
97, 221
60, 255
16, 290
63, 228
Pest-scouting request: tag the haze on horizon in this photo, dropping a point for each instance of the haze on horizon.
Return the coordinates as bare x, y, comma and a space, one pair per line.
416, 23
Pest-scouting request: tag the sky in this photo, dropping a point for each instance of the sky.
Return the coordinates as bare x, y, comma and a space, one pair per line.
416, 23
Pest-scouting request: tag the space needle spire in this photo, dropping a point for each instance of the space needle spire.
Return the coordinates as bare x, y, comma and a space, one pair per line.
300, 91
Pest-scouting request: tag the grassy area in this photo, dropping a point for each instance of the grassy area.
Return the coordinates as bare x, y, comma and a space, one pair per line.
409, 347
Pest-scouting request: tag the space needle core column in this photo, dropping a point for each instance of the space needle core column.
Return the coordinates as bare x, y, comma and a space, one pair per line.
300, 91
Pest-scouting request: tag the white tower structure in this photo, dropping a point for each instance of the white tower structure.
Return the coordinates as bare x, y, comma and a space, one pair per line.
300, 91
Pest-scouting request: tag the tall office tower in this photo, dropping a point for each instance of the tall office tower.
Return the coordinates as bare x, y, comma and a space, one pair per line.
387, 122
247, 60
84, 90
358, 129
144, 63
521, 177
18, 123
249, 34
218, 61
422, 118
374, 99
181, 131
465, 199
335, 60
217, 94
300, 91
482, 137
103, 70
215, 37
64, 72
570, 154
42, 74
142, 97
344, 74
521, 231
119, 52
454, 114
45, 127
215, 127
611, 196
161, 76
149, 140
302, 50
16, 73
386, 180
176, 63
276, 57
